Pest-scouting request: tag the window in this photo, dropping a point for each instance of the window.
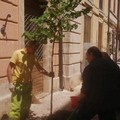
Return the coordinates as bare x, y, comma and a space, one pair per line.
114, 6
32, 10
101, 4
100, 25
87, 28
33, 7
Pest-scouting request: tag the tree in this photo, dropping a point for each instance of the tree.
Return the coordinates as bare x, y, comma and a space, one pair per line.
57, 16
56, 19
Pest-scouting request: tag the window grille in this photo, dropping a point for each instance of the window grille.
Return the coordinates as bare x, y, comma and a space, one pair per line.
30, 27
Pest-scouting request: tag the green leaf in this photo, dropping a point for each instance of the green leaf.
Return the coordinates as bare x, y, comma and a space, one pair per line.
56, 17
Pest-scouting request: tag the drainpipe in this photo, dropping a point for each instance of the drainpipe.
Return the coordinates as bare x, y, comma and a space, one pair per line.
108, 33
60, 58
113, 37
117, 30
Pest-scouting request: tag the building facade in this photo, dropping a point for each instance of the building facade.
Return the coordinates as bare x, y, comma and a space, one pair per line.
100, 24
92, 30
11, 27
97, 28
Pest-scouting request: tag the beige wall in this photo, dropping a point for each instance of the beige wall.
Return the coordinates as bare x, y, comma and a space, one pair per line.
74, 63
71, 56
8, 44
101, 16
74, 50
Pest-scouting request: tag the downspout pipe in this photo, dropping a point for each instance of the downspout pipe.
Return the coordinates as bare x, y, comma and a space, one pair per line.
108, 33
117, 30
60, 58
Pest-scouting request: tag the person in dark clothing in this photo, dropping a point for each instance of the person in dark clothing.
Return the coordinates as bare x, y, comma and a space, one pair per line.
114, 66
99, 92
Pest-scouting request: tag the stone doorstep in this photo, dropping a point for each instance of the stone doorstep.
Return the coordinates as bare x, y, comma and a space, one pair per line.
39, 97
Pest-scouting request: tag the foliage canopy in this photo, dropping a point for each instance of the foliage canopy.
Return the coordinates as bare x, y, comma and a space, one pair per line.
56, 18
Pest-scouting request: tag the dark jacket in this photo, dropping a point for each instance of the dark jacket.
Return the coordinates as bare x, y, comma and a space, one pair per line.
101, 83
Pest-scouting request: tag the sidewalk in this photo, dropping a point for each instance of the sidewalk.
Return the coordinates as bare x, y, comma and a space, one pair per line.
61, 100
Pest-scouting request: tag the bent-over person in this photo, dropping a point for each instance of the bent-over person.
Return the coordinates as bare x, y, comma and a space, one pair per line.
100, 91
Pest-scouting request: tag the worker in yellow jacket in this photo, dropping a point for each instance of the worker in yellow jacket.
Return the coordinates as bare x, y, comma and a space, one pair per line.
20, 81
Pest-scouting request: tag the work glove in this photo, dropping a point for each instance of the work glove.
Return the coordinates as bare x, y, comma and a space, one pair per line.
51, 74
11, 87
